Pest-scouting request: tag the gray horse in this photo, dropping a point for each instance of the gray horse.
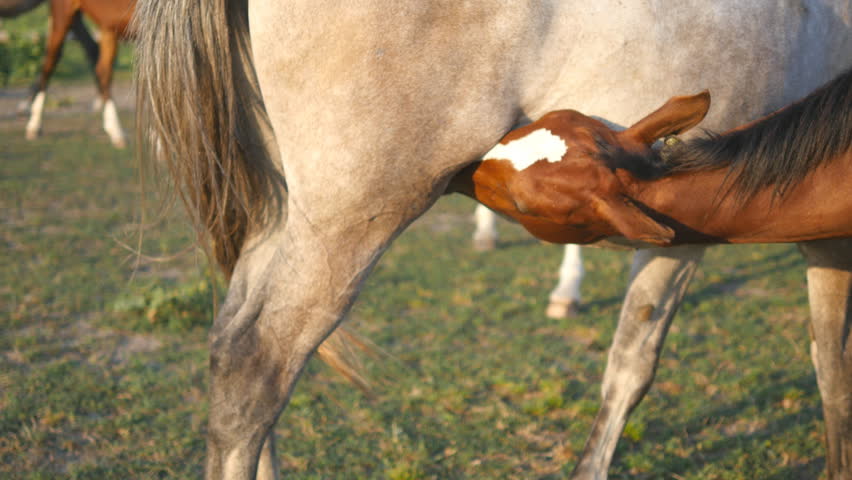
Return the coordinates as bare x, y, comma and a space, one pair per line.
369, 108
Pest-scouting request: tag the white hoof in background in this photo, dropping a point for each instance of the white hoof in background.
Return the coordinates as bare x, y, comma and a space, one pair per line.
33, 134
484, 243
119, 142
97, 104
559, 309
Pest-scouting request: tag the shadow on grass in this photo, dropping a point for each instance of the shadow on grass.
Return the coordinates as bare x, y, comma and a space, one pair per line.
772, 264
731, 283
771, 393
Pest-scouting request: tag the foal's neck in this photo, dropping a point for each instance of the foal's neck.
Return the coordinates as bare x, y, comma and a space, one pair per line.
703, 207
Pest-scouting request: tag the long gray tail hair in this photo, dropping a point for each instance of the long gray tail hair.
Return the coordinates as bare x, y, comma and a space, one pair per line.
199, 105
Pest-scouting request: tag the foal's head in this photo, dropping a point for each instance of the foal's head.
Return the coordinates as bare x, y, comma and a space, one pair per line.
584, 196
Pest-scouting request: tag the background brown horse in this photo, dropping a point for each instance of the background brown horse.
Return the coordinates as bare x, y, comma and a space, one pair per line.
112, 18
13, 8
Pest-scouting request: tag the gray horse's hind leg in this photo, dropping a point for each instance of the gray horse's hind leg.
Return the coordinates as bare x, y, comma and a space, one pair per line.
830, 293
268, 467
289, 291
658, 281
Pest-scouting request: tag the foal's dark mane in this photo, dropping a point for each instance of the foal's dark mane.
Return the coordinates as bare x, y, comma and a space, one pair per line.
643, 167
780, 150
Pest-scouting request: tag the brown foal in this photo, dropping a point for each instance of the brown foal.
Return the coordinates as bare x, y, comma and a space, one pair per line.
568, 178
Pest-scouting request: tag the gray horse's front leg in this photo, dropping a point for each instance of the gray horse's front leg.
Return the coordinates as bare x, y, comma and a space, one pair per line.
658, 281
830, 294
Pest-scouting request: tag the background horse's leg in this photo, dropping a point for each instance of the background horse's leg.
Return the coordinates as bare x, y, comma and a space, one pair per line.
830, 294
658, 281
565, 298
60, 22
90, 46
103, 70
485, 236
81, 33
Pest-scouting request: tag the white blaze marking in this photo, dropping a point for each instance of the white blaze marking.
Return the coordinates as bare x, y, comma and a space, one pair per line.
111, 124
34, 124
540, 144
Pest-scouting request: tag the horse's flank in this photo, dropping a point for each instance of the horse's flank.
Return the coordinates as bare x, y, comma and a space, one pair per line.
219, 146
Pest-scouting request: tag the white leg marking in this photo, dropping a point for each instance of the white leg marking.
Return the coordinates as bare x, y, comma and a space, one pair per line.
485, 236
565, 298
97, 104
34, 124
571, 274
112, 126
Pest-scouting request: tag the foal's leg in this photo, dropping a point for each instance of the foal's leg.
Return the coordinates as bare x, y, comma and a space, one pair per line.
830, 293
60, 21
658, 281
485, 236
565, 298
81, 33
103, 70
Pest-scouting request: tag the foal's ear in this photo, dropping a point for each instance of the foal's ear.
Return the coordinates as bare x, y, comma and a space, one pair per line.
633, 223
678, 115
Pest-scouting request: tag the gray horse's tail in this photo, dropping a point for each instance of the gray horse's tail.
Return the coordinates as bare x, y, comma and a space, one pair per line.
198, 97
199, 104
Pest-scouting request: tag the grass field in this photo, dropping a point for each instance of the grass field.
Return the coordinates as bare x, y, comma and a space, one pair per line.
103, 357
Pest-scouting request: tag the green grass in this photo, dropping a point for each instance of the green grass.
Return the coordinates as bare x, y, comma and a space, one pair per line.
103, 362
